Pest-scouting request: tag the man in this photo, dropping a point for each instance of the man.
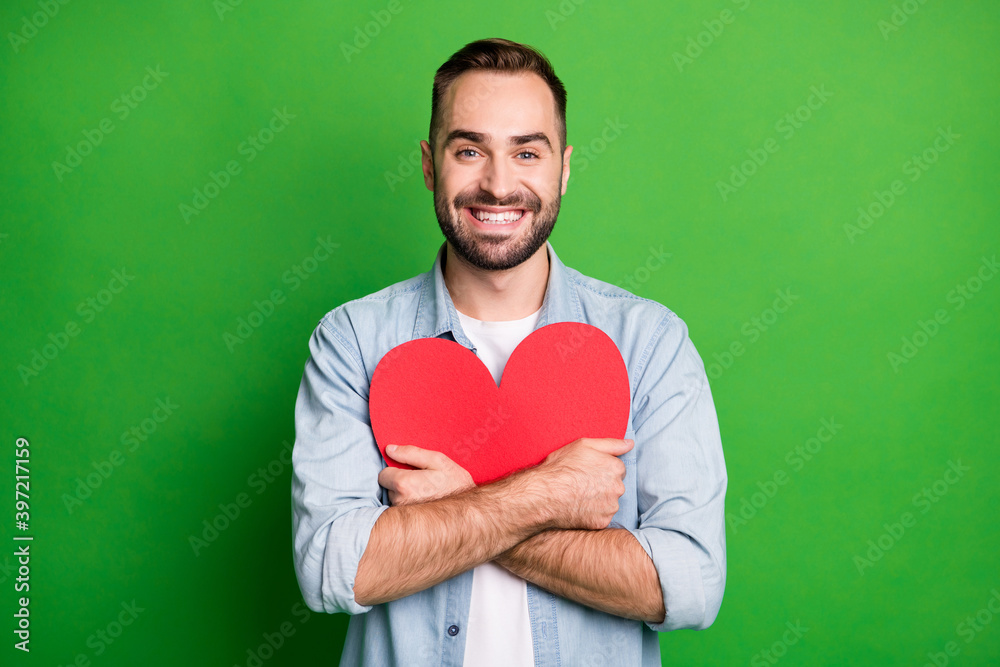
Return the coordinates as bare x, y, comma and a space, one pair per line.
578, 560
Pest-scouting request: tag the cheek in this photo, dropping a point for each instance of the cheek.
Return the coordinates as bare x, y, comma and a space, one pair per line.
458, 184
547, 188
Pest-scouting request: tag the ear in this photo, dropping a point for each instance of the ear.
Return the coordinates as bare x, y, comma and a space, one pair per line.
427, 164
565, 169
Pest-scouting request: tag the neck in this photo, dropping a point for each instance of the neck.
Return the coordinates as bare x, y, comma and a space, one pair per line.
496, 296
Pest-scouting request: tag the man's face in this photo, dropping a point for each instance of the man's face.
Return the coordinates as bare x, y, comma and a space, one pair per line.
497, 157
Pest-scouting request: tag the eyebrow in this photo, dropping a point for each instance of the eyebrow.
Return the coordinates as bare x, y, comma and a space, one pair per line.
482, 138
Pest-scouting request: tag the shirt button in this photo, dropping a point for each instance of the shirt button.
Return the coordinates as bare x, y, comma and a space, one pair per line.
453, 630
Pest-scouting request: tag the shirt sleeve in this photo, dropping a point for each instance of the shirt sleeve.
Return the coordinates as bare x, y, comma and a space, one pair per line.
336, 498
681, 478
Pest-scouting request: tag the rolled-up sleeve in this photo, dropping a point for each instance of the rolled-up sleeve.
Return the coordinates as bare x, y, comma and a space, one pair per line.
681, 478
335, 467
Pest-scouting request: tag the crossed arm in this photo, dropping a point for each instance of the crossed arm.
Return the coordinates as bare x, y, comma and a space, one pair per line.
687, 527
605, 569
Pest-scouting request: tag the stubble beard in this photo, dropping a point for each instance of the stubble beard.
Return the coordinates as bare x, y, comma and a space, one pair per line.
495, 252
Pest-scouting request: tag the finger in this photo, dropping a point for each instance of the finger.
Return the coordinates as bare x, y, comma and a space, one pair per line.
613, 446
417, 456
389, 476
413, 486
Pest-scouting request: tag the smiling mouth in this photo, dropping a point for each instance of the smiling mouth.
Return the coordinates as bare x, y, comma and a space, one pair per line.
496, 216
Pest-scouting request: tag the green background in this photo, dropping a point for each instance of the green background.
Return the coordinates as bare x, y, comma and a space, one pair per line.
358, 117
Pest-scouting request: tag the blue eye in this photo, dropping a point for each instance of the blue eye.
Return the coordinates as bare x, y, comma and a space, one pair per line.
463, 153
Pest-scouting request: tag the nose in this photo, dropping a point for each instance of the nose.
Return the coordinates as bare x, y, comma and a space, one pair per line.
498, 178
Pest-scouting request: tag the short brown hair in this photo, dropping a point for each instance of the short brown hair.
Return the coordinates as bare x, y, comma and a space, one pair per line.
500, 55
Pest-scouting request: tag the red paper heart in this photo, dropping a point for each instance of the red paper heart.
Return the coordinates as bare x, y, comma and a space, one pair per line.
562, 382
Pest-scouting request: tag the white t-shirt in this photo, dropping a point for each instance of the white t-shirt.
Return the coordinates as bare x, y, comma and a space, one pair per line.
499, 631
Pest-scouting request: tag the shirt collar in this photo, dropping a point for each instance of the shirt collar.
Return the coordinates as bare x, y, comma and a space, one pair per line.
436, 312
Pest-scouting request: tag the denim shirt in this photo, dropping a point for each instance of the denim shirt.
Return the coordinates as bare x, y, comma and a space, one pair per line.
675, 480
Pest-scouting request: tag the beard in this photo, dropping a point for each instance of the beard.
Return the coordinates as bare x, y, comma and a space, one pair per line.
496, 252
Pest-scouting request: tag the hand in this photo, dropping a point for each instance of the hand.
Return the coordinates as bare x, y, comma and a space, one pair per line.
584, 479
437, 476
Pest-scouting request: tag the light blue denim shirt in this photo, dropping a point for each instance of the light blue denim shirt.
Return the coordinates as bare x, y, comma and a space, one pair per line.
673, 503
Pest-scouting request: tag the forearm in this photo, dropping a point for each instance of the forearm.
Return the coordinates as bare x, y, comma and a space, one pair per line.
414, 547
604, 569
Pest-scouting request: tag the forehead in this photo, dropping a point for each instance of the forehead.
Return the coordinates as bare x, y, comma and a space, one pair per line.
500, 104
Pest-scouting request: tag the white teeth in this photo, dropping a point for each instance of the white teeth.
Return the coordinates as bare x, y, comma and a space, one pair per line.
497, 218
